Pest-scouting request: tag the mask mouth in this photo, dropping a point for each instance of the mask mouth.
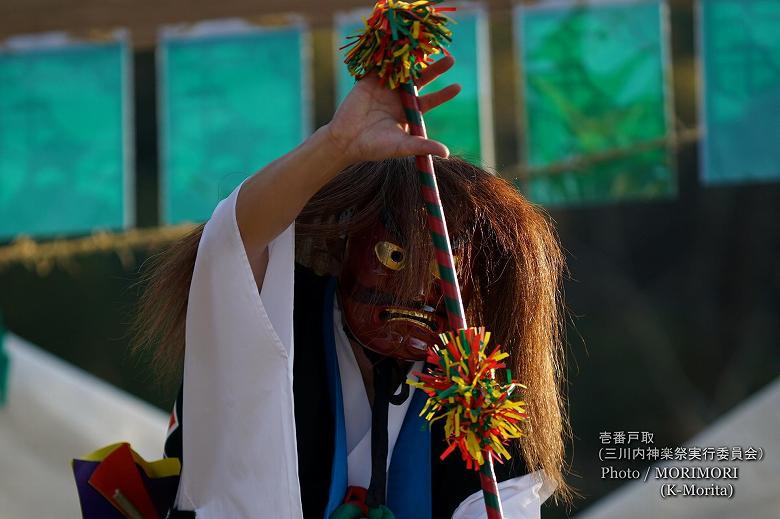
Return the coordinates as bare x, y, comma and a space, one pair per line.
424, 320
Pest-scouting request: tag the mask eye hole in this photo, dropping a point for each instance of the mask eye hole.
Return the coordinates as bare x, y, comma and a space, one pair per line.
390, 255
435, 267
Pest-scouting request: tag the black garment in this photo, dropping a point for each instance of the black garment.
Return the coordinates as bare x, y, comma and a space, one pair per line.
314, 425
173, 449
451, 482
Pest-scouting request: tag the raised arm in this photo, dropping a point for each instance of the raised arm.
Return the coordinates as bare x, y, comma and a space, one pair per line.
369, 125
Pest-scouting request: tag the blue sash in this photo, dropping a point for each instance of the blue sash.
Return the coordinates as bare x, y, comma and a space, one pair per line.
409, 476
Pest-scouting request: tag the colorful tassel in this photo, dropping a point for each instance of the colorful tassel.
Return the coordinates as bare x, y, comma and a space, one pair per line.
481, 414
399, 40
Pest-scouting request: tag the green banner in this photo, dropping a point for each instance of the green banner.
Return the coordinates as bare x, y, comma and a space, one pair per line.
463, 124
596, 95
63, 136
740, 52
231, 103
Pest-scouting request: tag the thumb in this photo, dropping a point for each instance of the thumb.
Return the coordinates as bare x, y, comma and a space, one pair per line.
415, 145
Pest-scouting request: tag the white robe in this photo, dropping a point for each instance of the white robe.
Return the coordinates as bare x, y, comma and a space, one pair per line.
239, 443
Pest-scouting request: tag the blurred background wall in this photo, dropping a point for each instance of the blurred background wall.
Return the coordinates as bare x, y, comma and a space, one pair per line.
648, 129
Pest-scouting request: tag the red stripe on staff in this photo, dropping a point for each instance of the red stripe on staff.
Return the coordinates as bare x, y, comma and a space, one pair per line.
409, 100
487, 478
488, 484
491, 490
429, 195
449, 291
439, 228
439, 257
430, 199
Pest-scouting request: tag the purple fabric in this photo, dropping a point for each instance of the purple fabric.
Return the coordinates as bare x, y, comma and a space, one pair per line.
93, 505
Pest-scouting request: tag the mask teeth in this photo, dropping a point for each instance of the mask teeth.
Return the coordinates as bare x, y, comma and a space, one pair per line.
411, 316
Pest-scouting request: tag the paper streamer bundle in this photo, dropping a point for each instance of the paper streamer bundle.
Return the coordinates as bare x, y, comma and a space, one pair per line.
481, 414
397, 45
398, 41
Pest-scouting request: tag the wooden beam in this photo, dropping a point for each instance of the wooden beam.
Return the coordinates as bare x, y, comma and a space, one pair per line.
143, 18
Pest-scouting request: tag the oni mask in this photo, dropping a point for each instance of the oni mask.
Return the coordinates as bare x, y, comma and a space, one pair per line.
373, 267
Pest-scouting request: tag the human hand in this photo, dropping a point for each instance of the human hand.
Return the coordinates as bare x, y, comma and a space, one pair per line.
370, 123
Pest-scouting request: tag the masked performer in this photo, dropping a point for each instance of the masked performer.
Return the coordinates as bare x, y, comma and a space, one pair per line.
299, 338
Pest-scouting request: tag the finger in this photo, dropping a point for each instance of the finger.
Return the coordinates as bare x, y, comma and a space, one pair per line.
414, 145
434, 99
435, 70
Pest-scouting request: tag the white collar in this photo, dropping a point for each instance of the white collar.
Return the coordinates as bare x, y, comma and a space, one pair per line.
357, 410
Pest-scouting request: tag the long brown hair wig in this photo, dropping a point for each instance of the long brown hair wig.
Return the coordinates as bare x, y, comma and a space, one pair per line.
516, 273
